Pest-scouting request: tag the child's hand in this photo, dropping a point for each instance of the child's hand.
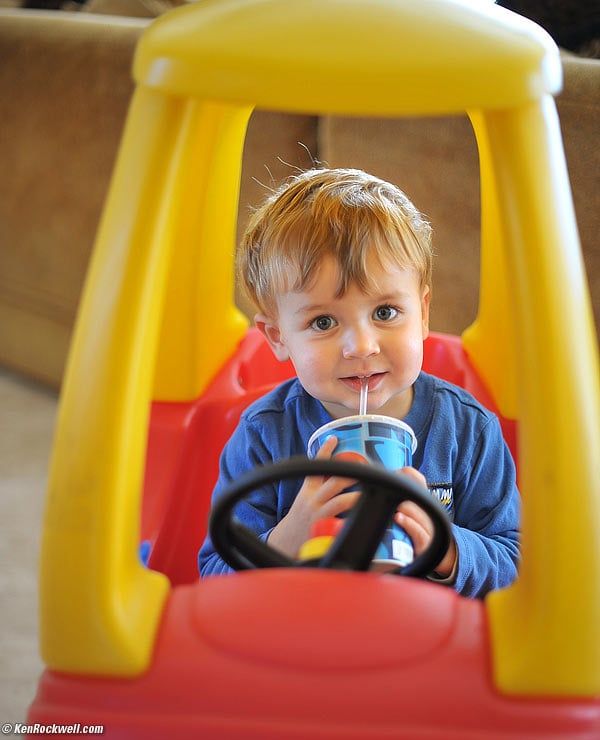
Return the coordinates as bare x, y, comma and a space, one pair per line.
419, 526
319, 497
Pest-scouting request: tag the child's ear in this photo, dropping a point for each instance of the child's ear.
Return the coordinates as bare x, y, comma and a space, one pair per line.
269, 328
425, 302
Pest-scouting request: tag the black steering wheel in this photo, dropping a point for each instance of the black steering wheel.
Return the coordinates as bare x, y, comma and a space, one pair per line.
356, 544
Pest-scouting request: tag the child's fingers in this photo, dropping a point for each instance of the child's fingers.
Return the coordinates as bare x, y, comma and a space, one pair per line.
327, 448
416, 523
410, 510
414, 475
334, 487
341, 503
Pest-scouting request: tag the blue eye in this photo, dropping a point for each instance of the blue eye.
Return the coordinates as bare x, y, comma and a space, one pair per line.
323, 323
385, 313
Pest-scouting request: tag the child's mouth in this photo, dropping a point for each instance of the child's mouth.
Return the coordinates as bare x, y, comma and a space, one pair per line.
355, 381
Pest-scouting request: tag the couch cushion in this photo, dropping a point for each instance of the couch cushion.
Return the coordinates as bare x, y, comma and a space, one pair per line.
65, 87
64, 91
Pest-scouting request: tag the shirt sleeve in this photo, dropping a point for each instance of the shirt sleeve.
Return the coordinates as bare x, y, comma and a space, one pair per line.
487, 513
245, 450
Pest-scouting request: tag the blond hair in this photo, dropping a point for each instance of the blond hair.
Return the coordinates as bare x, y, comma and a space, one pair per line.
342, 213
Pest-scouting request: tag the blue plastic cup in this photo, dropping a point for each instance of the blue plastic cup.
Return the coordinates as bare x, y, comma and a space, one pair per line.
371, 438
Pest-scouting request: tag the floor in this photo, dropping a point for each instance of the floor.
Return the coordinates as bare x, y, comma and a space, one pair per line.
27, 414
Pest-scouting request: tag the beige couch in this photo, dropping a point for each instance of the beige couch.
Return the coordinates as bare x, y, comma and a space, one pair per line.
64, 90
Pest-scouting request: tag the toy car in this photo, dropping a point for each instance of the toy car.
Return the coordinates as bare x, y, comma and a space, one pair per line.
162, 364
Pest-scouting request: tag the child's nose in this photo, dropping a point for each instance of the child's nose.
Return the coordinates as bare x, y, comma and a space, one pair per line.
359, 343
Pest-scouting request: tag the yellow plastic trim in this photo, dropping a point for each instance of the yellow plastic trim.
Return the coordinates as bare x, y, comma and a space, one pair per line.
201, 326
490, 341
544, 628
91, 536
99, 607
311, 56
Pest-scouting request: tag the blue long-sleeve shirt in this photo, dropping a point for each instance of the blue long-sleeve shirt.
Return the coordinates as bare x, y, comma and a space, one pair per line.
460, 451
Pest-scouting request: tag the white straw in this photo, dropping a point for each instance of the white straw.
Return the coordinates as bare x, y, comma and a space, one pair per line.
364, 391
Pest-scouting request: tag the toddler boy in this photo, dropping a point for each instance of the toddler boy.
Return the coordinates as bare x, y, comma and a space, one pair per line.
338, 263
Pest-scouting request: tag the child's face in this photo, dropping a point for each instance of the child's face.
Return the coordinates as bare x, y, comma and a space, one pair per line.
334, 341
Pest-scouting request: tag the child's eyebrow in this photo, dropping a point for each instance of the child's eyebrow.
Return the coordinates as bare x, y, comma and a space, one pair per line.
313, 308
395, 297
391, 297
